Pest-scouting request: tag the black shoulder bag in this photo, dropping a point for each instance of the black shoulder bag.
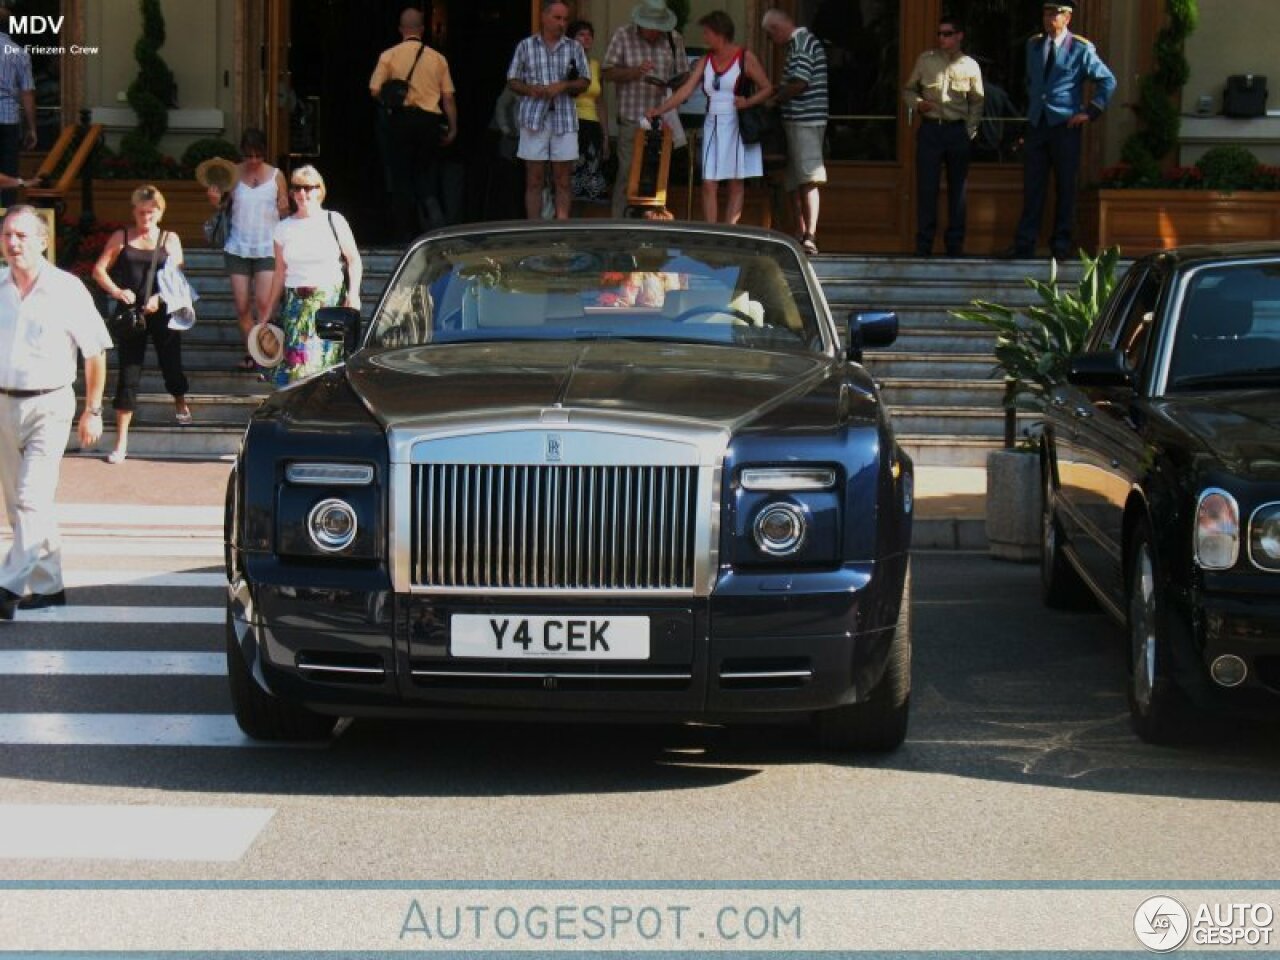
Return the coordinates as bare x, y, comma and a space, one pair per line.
129, 321
342, 260
394, 92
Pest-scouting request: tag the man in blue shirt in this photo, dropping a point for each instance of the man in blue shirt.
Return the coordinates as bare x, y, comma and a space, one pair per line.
1058, 64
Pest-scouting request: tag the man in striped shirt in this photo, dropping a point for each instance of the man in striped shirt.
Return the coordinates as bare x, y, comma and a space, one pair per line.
17, 105
548, 71
803, 96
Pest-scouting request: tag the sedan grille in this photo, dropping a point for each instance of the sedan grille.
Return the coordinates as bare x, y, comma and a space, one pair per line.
554, 527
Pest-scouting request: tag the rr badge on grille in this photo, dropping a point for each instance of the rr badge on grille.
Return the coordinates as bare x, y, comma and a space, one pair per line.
553, 448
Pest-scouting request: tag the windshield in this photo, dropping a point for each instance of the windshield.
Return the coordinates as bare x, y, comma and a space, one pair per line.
1229, 331
600, 284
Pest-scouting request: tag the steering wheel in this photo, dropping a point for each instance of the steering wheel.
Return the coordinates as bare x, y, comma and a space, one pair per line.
707, 308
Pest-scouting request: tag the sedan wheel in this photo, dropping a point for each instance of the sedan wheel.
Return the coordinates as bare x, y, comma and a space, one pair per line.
1155, 703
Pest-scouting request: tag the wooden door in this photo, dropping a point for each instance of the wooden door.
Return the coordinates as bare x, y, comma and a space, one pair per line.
278, 85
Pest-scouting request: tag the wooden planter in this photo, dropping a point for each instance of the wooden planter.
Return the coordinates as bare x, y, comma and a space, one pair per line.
1140, 221
186, 205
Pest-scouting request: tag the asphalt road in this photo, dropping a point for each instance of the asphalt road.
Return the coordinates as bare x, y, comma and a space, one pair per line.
1019, 765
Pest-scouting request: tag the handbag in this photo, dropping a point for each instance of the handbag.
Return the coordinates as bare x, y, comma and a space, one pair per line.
755, 123
217, 229
395, 92
128, 321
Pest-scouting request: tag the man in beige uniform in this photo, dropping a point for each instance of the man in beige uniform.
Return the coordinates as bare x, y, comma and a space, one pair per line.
45, 315
945, 88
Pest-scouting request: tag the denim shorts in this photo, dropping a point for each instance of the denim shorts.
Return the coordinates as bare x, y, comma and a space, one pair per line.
248, 266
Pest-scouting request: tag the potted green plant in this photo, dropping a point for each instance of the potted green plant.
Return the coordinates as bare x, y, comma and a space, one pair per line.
1033, 347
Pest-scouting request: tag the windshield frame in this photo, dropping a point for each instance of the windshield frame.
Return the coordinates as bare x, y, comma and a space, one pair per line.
1174, 315
642, 229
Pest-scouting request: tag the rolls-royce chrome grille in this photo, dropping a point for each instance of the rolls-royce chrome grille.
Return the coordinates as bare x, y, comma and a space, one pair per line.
554, 527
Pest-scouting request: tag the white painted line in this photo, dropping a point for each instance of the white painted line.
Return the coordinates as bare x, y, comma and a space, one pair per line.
137, 515
111, 663
79, 614
142, 832
98, 577
123, 546
130, 730
140, 533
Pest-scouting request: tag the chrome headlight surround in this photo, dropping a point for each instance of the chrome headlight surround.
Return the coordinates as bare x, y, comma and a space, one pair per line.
780, 529
1264, 537
1216, 537
332, 525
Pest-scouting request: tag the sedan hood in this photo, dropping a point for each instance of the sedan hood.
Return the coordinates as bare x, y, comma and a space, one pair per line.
1239, 427
724, 386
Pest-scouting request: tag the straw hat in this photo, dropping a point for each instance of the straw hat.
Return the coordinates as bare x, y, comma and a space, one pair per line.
218, 172
266, 344
184, 318
653, 15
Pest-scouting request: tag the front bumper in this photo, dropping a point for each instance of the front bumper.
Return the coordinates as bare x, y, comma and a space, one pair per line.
1227, 617
760, 645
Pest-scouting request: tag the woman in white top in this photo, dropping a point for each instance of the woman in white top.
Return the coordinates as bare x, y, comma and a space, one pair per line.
258, 203
724, 155
309, 247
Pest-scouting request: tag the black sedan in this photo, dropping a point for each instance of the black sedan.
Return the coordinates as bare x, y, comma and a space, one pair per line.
1161, 469
624, 471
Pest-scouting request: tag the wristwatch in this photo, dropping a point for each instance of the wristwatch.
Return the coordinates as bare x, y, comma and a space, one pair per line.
93, 411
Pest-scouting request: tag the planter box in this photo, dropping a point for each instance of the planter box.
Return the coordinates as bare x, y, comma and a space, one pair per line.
1013, 505
1140, 221
186, 205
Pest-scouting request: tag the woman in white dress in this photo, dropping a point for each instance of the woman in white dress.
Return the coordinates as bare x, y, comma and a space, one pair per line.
721, 72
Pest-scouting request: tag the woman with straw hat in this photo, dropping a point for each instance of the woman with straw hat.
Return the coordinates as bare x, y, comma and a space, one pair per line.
255, 192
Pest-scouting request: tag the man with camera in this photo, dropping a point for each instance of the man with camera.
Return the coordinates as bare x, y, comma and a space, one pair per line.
46, 314
412, 84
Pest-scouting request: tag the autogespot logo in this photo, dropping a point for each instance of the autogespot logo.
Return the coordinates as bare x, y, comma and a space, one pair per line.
1162, 924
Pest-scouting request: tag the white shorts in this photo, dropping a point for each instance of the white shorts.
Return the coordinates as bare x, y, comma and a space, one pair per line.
545, 145
804, 154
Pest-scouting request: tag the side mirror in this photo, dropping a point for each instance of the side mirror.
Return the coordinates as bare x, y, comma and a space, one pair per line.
341, 325
875, 329
1105, 368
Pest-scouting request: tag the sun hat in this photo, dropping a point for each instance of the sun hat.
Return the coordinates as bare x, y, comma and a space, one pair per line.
218, 172
653, 15
183, 318
266, 344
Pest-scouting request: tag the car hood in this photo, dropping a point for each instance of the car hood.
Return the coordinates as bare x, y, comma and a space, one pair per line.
1241, 428
724, 386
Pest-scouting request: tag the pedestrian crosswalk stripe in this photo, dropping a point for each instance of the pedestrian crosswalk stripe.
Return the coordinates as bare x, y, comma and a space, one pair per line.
134, 615
132, 832
98, 577
130, 730
110, 663
121, 546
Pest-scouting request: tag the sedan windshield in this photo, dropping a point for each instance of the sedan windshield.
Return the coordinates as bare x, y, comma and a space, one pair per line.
665, 285
1229, 332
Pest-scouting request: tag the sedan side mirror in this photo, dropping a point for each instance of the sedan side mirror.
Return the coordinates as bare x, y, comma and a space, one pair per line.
1104, 368
875, 329
341, 325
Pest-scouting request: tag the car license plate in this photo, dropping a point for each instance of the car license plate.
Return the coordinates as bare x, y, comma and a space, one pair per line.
515, 637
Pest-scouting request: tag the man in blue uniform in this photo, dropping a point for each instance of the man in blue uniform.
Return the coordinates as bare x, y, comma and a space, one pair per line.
1058, 64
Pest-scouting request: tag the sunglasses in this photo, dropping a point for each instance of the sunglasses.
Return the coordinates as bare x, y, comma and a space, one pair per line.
715, 82
304, 187
947, 33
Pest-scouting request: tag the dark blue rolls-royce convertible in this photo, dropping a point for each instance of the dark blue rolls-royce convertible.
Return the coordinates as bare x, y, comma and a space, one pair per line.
625, 471
1161, 466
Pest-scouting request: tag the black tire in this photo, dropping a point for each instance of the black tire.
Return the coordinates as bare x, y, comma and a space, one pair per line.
1157, 708
1061, 586
262, 716
879, 723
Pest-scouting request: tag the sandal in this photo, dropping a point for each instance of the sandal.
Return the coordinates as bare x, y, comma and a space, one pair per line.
116, 456
183, 418
247, 364
809, 246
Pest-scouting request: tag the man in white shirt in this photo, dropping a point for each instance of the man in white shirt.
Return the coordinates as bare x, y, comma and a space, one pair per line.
45, 315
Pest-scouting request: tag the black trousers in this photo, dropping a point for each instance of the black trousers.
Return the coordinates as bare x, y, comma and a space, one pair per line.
939, 145
1057, 150
131, 352
414, 142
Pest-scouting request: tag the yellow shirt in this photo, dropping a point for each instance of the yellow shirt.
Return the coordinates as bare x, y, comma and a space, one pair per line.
954, 87
588, 101
430, 79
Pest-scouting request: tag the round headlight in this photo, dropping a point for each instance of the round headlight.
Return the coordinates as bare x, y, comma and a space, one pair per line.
1264, 537
332, 525
780, 529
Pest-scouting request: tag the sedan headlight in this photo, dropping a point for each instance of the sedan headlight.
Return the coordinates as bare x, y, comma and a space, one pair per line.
788, 478
780, 529
1264, 537
1217, 536
332, 525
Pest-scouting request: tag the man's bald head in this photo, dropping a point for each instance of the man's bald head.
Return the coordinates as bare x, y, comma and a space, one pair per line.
412, 22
